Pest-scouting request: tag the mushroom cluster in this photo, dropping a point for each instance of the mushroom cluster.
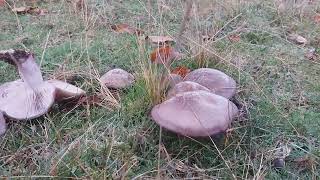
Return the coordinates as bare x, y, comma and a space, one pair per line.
198, 106
30, 97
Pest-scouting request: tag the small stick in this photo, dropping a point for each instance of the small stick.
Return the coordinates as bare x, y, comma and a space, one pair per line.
186, 18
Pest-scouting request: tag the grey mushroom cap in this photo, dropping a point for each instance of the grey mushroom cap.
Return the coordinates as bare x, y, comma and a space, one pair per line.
185, 86
65, 90
215, 80
20, 102
117, 78
195, 114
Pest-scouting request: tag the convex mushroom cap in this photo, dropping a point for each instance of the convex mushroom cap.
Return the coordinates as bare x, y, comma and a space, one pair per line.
215, 80
117, 78
185, 86
195, 114
65, 90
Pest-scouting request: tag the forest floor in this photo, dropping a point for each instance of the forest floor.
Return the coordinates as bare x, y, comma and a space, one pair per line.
278, 95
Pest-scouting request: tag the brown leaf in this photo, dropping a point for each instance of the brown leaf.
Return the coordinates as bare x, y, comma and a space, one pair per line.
125, 28
164, 55
2, 3
160, 39
30, 10
234, 38
317, 18
21, 10
181, 70
296, 38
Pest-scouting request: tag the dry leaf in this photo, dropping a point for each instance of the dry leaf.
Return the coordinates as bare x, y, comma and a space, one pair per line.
30, 10
21, 10
297, 39
2, 3
164, 55
234, 38
160, 39
181, 70
125, 28
317, 18
78, 4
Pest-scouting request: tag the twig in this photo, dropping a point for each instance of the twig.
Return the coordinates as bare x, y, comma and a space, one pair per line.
186, 18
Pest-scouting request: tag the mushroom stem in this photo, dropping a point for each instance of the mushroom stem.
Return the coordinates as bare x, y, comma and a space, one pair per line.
28, 69
3, 125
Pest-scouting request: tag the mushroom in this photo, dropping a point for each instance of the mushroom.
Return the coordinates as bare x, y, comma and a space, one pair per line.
117, 78
185, 86
215, 80
3, 125
31, 96
195, 113
65, 90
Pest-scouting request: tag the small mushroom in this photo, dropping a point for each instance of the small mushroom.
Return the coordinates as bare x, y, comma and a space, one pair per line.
3, 125
215, 80
117, 78
65, 90
185, 86
195, 113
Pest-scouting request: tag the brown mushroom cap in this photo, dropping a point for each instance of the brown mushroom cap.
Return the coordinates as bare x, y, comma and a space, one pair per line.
185, 86
20, 102
65, 90
117, 78
217, 81
3, 125
196, 113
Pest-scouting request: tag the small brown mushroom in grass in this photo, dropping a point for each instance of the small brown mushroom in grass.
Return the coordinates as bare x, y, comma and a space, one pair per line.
117, 79
215, 80
195, 114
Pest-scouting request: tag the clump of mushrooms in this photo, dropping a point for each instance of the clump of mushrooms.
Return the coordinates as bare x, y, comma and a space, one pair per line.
199, 106
30, 97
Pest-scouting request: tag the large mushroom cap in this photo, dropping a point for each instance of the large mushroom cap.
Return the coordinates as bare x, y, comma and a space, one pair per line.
196, 113
117, 78
185, 86
20, 102
65, 90
217, 81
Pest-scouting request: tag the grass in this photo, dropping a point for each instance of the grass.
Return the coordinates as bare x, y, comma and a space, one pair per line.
278, 92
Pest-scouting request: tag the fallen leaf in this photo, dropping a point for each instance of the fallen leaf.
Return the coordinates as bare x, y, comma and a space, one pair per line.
297, 39
160, 39
21, 10
30, 10
125, 28
38, 11
164, 55
317, 18
181, 70
91, 100
2, 3
234, 38
78, 4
